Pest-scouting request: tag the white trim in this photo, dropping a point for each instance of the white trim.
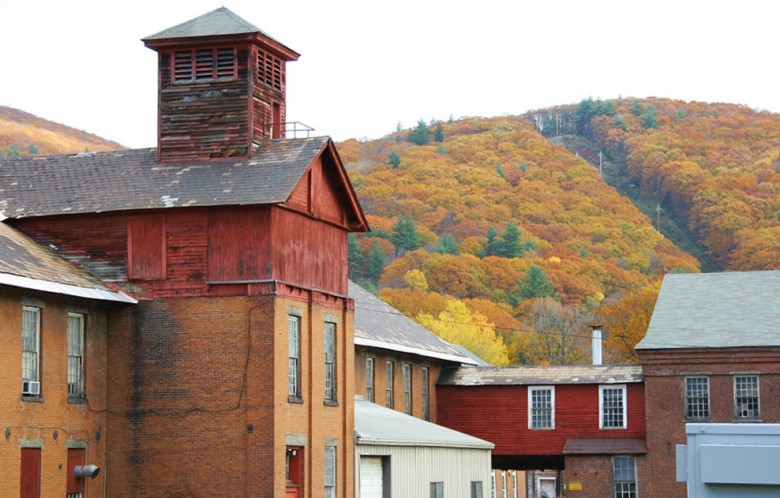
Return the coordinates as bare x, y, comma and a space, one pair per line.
622, 387
68, 290
531, 390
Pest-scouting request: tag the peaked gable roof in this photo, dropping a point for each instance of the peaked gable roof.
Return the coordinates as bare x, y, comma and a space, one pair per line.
28, 265
133, 180
716, 310
379, 325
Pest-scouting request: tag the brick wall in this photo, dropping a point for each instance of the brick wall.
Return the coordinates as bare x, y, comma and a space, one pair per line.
51, 421
593, 474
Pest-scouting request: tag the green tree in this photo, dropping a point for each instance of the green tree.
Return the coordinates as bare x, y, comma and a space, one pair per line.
648, 117
376, 262
404, 235
33, 149
536, 284
356, 259
511, 246
447, 244
500, 169
420, 135
438, 135
393, 159
13, 151
493, 243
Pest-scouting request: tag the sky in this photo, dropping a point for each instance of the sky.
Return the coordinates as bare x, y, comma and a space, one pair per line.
367, 66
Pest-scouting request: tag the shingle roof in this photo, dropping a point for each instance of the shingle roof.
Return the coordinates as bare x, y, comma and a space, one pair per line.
536, 375
716, 310
379, 325
133, 179
375, 424
605, 446
29, 265
220, 21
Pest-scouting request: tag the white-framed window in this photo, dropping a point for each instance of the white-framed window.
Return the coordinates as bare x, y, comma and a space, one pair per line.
612, 407
389, 384
541, 407
697, 397
330, 362
476, 489
408, 388
437, 490
747, 402
370, 379
330, 472
75, 355
426, 412
624, 477
294, 353
31, 344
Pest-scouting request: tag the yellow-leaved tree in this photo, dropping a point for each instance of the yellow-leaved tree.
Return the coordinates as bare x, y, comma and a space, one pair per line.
459, 325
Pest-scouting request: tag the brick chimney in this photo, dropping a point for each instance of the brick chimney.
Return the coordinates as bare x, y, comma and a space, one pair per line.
221, 87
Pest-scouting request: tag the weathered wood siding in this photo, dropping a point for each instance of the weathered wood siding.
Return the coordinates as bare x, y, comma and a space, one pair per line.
499, 414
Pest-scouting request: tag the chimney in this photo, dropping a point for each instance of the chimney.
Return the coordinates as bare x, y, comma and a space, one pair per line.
222, 87
596, 339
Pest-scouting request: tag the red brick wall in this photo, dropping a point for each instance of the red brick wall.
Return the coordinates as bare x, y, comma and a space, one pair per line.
664, 371
594, 475
51, 422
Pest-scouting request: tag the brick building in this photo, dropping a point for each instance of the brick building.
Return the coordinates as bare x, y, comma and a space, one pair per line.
711, 354
233, 373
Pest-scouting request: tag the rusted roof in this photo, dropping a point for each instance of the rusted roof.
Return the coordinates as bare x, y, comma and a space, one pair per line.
537, 375
29, 265
133, 179
716, 310
605, 446
379, 325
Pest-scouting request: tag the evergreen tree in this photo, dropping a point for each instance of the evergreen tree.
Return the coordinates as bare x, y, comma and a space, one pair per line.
420, 135
493, 244
33, 149
393, 159
648, 117
13, 151
500, 169
447, 245
356, 259
511, 247
536, 284
404, 235
376, 262
439, 133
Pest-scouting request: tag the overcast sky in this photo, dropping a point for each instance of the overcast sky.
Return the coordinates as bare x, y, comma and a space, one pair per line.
367, 65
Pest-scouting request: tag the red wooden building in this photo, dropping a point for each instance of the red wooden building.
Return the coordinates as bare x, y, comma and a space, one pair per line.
587, 420
233, 375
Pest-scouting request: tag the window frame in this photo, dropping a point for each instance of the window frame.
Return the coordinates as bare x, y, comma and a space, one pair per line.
329, 472
602, 409
330, 335
407, 371
294, 388
477, 489
389, 384
77, 351
426, 397
31, 373
737, 411
700, 402
631, 482
437, 489
370, 378
532, 409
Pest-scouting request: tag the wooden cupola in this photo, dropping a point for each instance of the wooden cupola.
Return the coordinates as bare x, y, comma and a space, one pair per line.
221, 87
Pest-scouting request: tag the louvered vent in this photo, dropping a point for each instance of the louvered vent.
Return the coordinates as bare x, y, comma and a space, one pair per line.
270, 70
204, 64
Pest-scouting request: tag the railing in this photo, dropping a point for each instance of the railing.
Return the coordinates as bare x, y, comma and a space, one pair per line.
292, 129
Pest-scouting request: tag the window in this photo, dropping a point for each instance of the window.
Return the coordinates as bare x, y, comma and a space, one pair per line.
370, 379
204, 64
330, 362
476, 489
31, 344
697, 397
426, 414
294, 366
389, 384
624, 477
746, 397
408, 388
75, 355
330, 472
612, 407
437, 490
541, 407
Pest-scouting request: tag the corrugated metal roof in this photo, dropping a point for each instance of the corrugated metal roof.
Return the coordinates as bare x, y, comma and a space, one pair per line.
375, 424
605, 446
29, 265
379, 325
537, 375
133, 179
716, 310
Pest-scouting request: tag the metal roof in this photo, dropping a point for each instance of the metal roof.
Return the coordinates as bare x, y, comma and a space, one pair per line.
375, 424
539, 375
379, 325
221, 21
28, 265
716, 310
133, 179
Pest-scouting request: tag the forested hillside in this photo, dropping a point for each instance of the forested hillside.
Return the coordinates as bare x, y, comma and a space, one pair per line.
23, 134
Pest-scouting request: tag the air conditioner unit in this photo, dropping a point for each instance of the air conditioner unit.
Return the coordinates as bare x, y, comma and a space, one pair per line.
31, 387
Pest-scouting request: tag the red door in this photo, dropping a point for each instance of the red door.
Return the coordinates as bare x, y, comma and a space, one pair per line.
294, 472
31, 473
75, 484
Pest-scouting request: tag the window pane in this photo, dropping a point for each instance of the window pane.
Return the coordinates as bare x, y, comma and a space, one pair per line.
330, 472
370, 379
389, 385
75, 354
425, 411
294, 356
330, 362
697, 397
541, 408
30, 342
624, 477
746, 397
407, 388
612, 407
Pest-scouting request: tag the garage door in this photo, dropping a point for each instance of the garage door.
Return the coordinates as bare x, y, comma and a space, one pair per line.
370, 477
